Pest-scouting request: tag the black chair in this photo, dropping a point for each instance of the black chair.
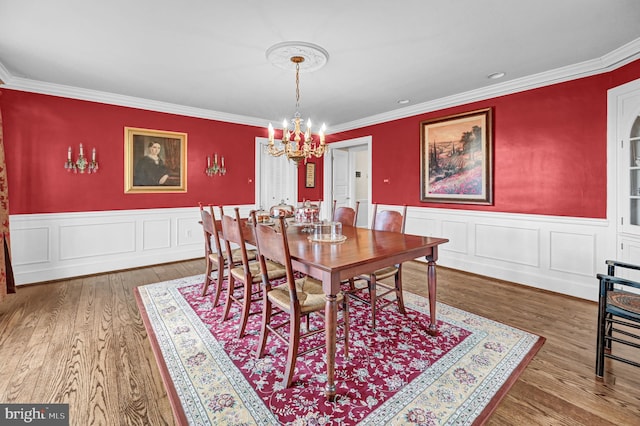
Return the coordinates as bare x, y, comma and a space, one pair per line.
619, 313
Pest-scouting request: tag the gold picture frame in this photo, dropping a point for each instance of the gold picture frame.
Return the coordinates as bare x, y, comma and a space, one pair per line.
456, 154
154, 161
310, 174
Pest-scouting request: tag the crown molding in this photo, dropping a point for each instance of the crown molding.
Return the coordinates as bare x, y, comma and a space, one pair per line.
611, 61
35, 86
5, 76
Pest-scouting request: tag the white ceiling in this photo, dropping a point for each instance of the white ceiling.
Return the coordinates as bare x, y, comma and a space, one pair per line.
209, 55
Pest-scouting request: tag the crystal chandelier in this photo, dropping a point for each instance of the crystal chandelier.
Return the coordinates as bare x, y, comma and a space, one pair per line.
297, 145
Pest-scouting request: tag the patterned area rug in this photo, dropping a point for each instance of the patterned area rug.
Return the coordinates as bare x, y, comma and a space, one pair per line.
396, 374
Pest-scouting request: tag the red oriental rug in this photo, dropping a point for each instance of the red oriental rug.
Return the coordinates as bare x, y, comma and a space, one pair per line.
396, 374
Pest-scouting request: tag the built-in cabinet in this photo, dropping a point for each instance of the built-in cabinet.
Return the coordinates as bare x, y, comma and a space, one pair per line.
624, 111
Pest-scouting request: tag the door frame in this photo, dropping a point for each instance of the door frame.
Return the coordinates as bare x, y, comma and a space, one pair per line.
328, 174
257, 181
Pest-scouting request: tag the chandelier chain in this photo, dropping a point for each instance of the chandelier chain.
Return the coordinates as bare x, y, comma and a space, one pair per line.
297, 145
297, 85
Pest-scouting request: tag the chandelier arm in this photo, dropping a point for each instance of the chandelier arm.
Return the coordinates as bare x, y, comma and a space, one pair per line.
302, 145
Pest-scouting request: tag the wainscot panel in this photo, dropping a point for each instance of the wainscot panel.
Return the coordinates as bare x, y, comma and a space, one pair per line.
559, 254
555, 253
54, 246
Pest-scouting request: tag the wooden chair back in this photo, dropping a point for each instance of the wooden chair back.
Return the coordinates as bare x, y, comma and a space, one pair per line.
389, 220
211, 228
207, 227
273, 245
346, 215
233, 230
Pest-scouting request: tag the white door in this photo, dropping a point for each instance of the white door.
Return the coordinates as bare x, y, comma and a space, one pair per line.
276, 178
333, 172
341, 175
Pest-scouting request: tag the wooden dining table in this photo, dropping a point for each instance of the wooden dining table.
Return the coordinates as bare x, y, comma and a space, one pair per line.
363, 251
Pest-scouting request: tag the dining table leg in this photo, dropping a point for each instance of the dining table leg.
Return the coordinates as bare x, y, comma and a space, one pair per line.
331, 318
432, 284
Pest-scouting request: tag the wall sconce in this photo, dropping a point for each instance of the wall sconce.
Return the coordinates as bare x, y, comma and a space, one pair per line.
81, 164
215, 168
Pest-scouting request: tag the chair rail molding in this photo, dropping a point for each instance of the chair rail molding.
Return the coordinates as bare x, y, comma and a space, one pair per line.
554, 253
559, 254
54, 246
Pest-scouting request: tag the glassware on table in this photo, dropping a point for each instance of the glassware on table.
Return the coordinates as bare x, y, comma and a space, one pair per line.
283, 209
327, 231
307, 215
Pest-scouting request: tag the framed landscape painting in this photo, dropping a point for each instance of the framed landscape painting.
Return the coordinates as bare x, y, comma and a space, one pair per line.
456, 154
155, 161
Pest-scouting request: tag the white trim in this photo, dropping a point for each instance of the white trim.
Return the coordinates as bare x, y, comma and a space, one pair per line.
327, 174
27, 85
47, 247
556, 253
608, 62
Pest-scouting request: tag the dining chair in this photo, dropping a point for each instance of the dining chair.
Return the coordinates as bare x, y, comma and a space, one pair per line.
345, 215
216, 256
391, 221
617, 307
297, 297
245, 277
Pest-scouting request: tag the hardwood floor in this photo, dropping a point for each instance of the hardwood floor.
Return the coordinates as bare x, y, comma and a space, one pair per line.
81, 341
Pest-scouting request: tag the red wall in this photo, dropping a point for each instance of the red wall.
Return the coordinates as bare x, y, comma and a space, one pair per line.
38, 130
549, 149
549, 153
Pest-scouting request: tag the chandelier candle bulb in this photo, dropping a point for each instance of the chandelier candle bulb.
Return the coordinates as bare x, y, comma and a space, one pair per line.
93, 155
81, 151
270, 134
297, 145
222, 161
69, 154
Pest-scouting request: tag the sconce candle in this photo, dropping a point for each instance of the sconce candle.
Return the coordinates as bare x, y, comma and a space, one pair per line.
215, 168
81, 164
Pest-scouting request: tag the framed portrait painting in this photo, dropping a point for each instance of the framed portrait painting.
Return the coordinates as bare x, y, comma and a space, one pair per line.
154, 161
456, 154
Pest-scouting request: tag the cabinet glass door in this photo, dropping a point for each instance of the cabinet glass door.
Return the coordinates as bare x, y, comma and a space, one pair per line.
634, 169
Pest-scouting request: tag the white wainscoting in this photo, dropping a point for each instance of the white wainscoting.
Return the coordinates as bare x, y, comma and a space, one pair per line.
559, 254
47, 247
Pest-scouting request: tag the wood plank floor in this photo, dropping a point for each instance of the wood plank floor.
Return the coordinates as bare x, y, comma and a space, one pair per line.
81, 341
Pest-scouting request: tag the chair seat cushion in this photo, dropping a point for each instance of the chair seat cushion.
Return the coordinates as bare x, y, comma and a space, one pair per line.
624, 302
381, 273
274, 271
236, 255
310, 295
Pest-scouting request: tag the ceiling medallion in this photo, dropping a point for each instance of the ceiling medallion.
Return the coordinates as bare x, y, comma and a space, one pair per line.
299, 56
